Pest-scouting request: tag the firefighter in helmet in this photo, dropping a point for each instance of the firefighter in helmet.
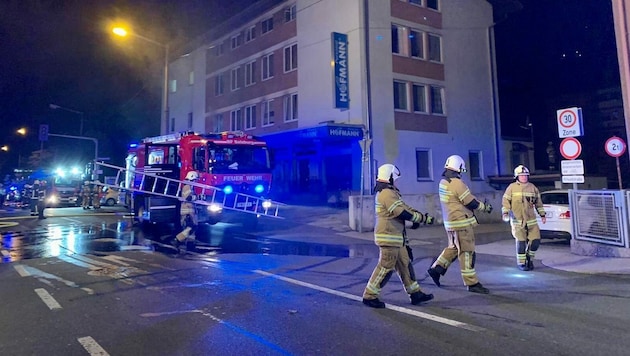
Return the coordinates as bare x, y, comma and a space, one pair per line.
97, 193
86, 195
188, 215
391, 237
458, 206
34, 196
521, 202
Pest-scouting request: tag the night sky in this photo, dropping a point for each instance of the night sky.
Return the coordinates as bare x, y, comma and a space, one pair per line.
61, 52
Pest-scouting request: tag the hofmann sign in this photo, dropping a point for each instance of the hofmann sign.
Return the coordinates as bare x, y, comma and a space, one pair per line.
340, 70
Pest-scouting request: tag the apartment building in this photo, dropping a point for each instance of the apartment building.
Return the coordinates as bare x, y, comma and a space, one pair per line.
412, 81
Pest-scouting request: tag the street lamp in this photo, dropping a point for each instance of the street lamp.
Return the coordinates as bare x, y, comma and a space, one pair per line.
122, 32
57, 107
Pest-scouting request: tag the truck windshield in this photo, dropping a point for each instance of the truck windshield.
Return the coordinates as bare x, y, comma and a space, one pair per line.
241, 159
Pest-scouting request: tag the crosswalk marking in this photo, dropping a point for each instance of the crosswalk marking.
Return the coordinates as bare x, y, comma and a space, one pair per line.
91, 346
48, 299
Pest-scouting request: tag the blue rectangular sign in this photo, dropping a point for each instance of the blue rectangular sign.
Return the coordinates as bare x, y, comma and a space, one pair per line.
340, 70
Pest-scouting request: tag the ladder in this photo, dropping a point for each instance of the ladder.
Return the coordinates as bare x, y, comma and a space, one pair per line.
210, 196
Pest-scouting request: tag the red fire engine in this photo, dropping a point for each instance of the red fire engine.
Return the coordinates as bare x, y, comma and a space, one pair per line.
234, 162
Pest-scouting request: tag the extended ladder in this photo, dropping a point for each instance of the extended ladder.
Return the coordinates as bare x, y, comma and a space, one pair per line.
172, 188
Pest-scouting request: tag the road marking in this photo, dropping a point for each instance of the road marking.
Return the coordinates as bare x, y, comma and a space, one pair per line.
21, 271
403, 310
48, 299
91, 346
8, 224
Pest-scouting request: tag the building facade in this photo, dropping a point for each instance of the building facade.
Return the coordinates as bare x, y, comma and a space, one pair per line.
339, 87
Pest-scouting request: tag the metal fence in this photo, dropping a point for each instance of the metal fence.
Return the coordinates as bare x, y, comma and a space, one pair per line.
600, 216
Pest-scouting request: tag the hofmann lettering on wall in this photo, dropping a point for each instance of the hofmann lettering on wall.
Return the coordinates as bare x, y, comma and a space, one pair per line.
340, 70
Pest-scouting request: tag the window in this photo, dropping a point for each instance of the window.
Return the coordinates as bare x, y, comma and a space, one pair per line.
290, 58
250, 73
437, 100
237, 40
217, 125
191, 78
416, 2
172, 128
416, 43
289, 13
475, 165
250, 34
250, 117
267, 112
173, 86
190, 120
435, 48
236, 120
290, 107
424, 171
219, 49
399, 45
433, 4
419, 98
267, 66
400, 96
219, 84
267, 25
236, 78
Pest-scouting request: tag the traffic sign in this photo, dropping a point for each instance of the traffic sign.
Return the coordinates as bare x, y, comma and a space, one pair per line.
570, 148
570, 122
615, 146
572, 167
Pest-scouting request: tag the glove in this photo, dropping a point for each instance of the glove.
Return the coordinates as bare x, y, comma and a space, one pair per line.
189, 198
415, 226
506, 217
428, 219
485, 207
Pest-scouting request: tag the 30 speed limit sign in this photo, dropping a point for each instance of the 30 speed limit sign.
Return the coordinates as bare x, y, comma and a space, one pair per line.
615, 146
570, 122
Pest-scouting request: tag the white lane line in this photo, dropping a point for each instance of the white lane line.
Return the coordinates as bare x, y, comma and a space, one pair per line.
48, 299
21, 271
5, 253
91, 346
407, 311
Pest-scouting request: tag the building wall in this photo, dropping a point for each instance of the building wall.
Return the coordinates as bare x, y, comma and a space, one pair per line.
464, 73
188, 98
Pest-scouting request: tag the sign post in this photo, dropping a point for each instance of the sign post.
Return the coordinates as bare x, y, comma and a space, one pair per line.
616, 147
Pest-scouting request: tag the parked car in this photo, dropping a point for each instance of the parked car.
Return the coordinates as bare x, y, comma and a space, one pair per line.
111, 196
559, 225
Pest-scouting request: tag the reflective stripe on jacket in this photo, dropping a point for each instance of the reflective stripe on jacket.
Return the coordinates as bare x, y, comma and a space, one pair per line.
454, 196
523, 199
389, 230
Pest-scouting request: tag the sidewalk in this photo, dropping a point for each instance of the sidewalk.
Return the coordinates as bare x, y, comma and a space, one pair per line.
329, 223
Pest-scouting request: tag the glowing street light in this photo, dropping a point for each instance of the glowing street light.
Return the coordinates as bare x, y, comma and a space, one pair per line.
21, 131
5, 148
122, 32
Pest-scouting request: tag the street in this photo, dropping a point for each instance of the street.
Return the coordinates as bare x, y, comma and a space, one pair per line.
88, 283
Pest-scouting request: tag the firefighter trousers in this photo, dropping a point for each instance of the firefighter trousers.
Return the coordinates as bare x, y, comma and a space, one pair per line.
527, 241
461, 245
390, 259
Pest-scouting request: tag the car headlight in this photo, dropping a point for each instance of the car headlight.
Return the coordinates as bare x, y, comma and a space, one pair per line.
52, 199
266, 204
215, 207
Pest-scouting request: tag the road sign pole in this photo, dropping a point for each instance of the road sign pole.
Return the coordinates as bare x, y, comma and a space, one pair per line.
619, 174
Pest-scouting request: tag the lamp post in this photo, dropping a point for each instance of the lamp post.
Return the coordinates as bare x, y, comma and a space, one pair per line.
122, 32
57, 107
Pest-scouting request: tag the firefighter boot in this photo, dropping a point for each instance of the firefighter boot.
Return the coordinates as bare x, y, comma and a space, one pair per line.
530, 263
419, 297
435, 273
478, 288
524, 267
374, 303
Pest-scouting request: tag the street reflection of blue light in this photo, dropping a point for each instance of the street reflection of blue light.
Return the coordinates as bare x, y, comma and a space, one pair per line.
519, 275
7, 240
70, 241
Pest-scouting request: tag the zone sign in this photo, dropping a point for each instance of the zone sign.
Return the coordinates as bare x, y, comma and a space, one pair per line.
570, 122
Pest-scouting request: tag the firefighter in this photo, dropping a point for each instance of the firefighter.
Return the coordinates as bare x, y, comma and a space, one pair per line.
41, 199
188, 215
96, 195
86, 192
521, 202
391, 238
458, 206
33, 190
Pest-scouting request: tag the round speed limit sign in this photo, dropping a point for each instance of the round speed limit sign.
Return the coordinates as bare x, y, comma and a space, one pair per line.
615, 146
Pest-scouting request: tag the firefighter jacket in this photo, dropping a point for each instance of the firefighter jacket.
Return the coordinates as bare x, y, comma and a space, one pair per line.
523, 200
455, 198
187, 207
389, 228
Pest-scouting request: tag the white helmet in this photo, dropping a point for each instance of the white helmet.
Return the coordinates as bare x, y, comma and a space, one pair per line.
521, 170
192, 175
387, 172
455, 163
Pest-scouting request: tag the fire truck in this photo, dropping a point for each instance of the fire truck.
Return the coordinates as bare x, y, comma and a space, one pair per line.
234, 176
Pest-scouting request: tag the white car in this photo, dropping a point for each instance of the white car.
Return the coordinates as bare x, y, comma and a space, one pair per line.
556, 204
